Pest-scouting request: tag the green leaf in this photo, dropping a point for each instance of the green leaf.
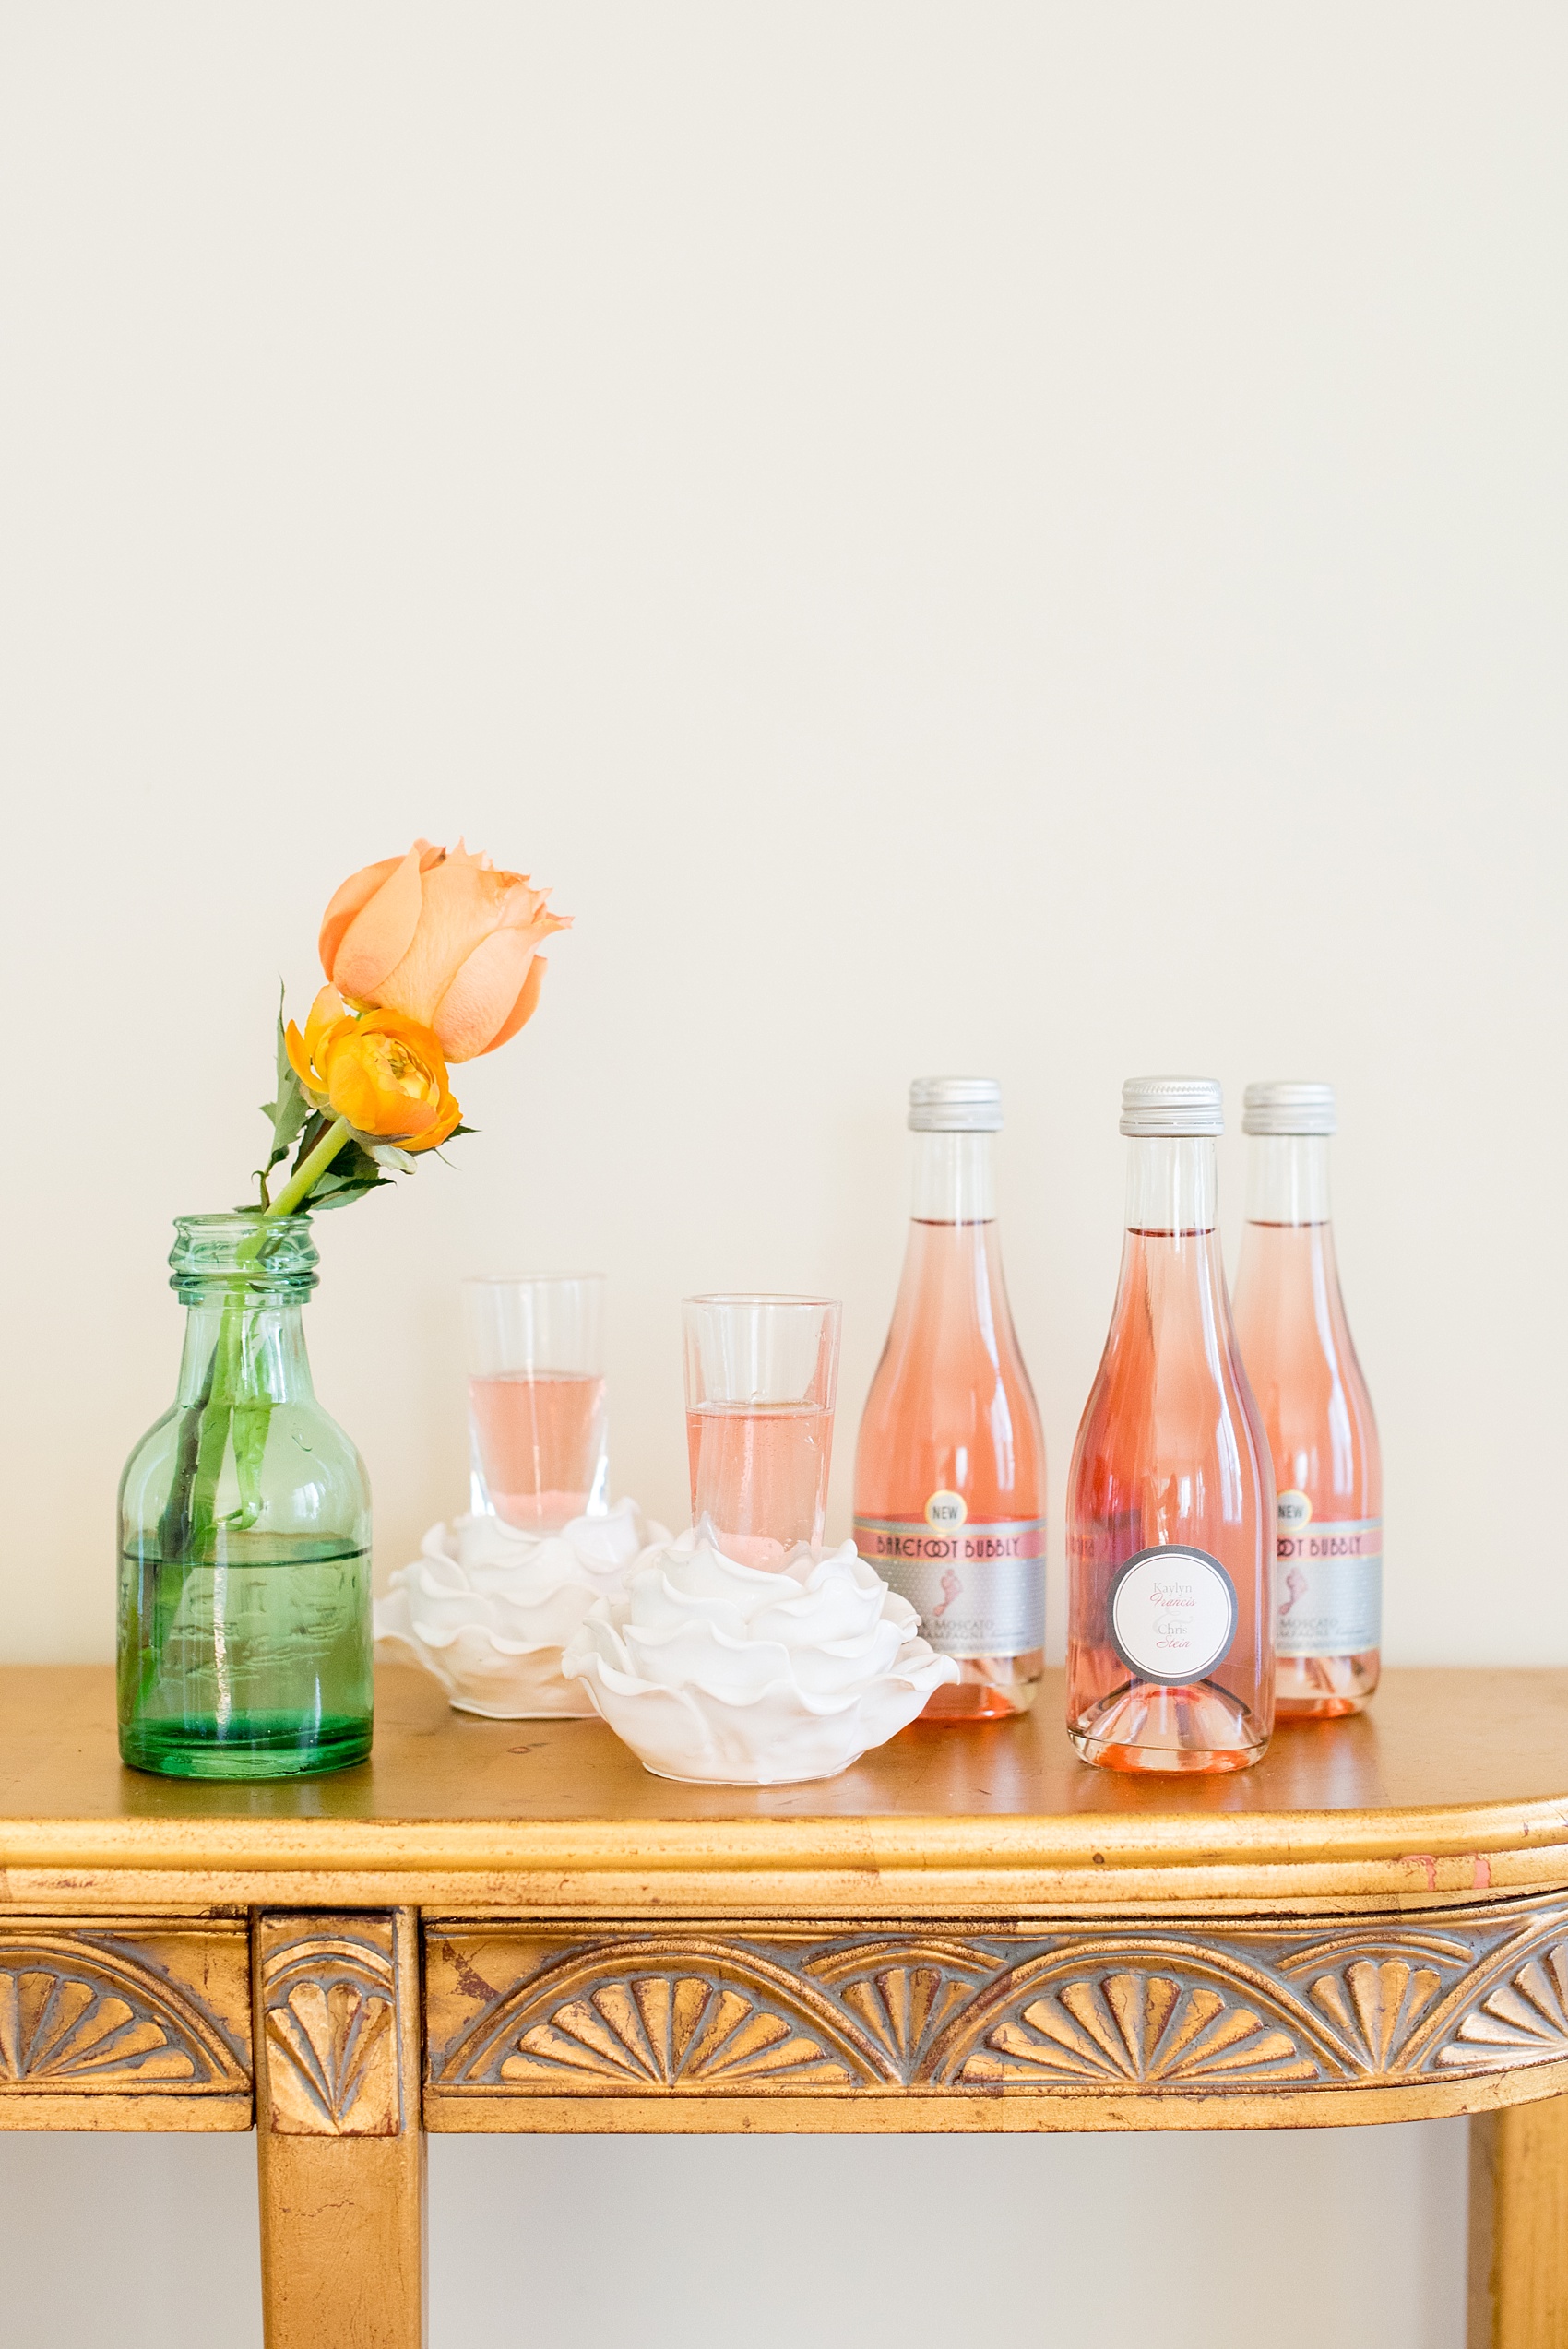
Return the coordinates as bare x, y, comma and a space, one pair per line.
343, 1195
456, 1136
353, 1172
253, 1423
352, 1166
315, 1126
289, 1111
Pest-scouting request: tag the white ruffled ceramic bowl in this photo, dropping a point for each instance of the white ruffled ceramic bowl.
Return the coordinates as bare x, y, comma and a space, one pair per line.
722, 1673
487, 1610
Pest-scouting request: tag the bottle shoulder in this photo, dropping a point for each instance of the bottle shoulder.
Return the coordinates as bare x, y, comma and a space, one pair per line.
317, 1436
1301, 1359
940, 1426
305, 1467
1157, 1413
1188, 1384
153, 1450
951, 1407
951, 1348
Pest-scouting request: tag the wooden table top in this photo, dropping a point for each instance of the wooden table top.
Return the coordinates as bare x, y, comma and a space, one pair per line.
1455, 1782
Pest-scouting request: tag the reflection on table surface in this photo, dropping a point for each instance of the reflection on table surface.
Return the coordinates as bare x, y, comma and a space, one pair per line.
1432, 1738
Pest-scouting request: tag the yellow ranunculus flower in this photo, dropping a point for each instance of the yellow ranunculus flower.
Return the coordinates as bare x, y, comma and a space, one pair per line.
384, 1072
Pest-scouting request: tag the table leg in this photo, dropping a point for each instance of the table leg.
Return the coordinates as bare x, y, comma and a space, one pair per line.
340, 2146
1519, 2227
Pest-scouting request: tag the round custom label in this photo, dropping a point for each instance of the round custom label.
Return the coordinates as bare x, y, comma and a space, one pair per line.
947, 1510
1295, 1510
1173, 1613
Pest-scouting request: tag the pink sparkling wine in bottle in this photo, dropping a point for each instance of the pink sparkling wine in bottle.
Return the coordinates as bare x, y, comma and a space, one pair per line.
1302, 1366
950, 1466
1170, 1497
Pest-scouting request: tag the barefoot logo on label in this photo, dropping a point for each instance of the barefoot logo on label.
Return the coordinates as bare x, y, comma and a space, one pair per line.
950, 1586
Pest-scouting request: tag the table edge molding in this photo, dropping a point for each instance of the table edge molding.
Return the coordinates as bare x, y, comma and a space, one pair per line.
1112, 1844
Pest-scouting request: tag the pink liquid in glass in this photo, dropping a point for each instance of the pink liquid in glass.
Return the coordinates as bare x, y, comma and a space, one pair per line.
539, 1445
759, 1471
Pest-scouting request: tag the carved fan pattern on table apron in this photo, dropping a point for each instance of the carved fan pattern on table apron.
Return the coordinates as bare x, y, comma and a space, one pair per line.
79, 2013
1105, 2007
1523, 2019
331, 2018
666, 2012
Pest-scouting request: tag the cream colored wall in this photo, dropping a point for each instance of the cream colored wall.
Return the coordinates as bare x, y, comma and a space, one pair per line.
1023, 538
1342, 2236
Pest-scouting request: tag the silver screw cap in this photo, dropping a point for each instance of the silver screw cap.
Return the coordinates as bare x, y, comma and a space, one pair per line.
1174, 1105
954, 1105
1288, 1105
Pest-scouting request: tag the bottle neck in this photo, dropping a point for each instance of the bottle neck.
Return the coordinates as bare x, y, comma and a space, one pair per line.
955, 1179
245, 1347
1172, 1290
1172, 1184
952, 1324
1288, 1178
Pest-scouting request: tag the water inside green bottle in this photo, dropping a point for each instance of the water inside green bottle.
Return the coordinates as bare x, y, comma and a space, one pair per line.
253, 1663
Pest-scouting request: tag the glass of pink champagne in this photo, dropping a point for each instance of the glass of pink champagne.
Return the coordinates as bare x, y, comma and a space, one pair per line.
538, 1421
761, 1375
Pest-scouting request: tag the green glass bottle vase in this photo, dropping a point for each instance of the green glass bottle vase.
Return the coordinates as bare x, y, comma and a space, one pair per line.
244, 1610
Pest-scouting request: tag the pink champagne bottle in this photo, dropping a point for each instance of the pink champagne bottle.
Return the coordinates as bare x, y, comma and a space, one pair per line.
1170, 1499
1323, 1438
950, 1466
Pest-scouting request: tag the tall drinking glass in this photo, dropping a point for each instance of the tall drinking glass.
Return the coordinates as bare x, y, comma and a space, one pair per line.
537, 1417
761, 1375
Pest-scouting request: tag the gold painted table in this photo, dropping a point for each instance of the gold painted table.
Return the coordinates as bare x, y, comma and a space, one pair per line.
509, 1926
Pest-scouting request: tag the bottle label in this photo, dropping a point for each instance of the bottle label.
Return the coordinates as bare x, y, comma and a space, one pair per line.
1172, 1614
1328, 1581
978, 1589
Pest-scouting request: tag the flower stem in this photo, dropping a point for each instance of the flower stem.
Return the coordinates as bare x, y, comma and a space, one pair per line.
230, 1418
299, 1182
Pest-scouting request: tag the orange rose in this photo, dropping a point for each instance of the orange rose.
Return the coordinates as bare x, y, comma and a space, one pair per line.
443, 938
384, 1072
